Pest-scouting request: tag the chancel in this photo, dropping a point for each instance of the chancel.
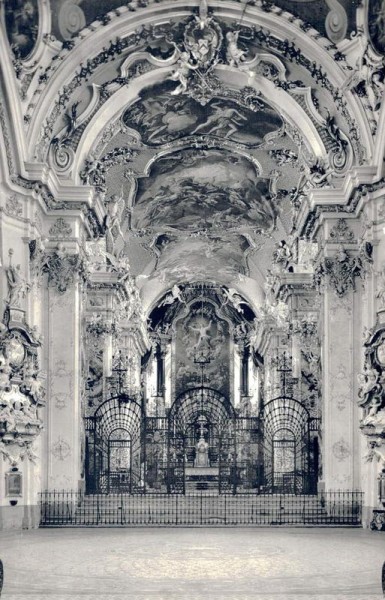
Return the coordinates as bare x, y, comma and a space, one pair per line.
192, 226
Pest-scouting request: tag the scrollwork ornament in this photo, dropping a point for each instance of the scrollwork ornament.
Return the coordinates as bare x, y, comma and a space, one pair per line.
336, 22
341, 271
63, 156
60, 228
71, 18
63, 268
341, 232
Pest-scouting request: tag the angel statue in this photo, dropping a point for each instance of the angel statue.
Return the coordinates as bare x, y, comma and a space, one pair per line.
182, 71
175, 294
369, 385
112, 224
234, 55
234, 298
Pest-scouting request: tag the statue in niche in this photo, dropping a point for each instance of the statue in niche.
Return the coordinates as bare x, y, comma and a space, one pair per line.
234, 55
202, 454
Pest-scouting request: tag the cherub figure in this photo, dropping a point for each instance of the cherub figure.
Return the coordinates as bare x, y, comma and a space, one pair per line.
182, 72
234, 55
176, 294
234, 298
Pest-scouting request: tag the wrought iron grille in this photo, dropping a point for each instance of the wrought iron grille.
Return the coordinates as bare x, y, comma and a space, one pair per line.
129, 452
70, 508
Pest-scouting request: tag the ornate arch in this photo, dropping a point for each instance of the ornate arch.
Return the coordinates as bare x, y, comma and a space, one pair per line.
205, 401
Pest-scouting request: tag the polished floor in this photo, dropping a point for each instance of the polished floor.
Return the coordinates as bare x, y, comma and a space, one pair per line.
192, 564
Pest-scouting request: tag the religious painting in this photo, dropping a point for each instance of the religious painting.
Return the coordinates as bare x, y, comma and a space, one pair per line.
199, 189
203, 257
376, 23
161, 118
22, 24
202, 351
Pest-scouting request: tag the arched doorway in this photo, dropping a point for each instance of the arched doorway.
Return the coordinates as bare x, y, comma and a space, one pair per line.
288, 463
113, 451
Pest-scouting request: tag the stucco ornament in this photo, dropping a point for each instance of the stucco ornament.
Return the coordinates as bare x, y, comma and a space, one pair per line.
341, 271
22, 391
63, 268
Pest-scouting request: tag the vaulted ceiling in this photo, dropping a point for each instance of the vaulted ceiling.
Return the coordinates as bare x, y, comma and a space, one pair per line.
206, 131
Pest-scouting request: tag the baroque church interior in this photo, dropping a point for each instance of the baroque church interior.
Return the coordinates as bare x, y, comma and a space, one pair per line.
193, 258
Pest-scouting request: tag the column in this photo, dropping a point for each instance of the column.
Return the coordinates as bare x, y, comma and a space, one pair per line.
65, 443
338, 273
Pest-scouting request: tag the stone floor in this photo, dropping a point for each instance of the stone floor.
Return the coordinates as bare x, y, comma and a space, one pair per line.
192, 564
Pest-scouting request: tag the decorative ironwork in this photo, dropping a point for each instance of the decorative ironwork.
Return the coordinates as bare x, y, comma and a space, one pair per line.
290, 452
114, 454
69, 508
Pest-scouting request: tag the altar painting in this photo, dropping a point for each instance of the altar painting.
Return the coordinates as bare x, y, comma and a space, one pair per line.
202, 351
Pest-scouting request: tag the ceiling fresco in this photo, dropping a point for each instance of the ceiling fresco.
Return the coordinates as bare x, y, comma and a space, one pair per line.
217, 258
199, 175
22, 24
199, 189
161, 118
376, 20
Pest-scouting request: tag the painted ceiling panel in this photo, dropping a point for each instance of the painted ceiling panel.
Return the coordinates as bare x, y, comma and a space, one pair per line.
161, 117
203, 189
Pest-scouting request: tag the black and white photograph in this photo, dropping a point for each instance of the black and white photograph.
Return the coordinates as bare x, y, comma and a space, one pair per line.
192, 283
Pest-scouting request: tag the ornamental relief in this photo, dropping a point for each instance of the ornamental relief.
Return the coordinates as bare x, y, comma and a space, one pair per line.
341, 450
371, 393
61, 449
21, 385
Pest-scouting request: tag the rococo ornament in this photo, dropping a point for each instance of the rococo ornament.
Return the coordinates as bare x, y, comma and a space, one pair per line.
341, 270
63, 268
21, 389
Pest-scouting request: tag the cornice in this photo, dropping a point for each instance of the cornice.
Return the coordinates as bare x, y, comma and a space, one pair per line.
348, 199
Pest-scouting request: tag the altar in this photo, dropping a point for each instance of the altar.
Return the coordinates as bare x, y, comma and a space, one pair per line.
202, 471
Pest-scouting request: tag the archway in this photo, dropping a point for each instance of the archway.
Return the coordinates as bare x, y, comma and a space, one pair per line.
288, 464
113, 451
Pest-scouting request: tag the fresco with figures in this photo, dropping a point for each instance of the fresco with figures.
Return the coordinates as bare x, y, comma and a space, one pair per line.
22, 23
202, 350
161, 118
199, 189
202, 256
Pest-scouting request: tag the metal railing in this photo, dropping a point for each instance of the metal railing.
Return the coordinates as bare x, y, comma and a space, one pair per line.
71, 508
